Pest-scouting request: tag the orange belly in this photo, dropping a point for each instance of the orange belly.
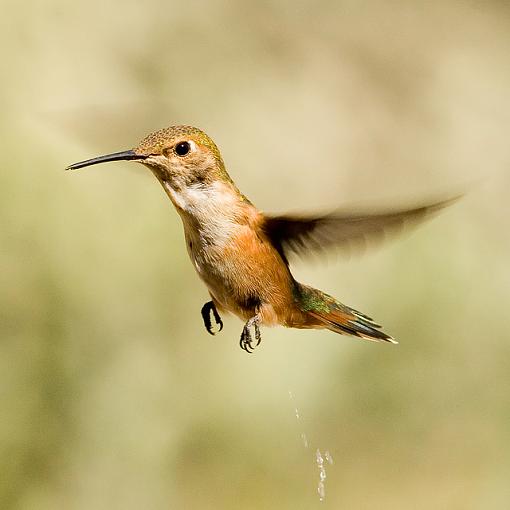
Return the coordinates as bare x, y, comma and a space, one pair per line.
246, 276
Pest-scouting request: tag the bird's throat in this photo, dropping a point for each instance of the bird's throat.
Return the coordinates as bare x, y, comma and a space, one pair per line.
200, 199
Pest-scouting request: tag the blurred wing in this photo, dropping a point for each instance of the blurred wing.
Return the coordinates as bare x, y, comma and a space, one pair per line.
346, 231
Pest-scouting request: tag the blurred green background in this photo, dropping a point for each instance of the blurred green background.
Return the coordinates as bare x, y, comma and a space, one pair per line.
112, 393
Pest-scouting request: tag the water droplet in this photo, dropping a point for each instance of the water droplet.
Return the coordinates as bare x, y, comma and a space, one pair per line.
321, 491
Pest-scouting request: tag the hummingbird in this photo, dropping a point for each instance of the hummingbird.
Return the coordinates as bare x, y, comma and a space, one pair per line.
242, 254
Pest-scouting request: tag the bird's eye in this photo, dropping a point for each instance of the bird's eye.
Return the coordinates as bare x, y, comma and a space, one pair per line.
182, 148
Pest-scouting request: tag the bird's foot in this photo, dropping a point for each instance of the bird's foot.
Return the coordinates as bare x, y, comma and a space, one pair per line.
246, 342
206, 316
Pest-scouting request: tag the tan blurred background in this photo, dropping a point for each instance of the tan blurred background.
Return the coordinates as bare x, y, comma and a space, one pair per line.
113, 396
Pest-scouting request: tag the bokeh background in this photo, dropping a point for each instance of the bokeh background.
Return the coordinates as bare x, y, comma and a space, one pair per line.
114, 396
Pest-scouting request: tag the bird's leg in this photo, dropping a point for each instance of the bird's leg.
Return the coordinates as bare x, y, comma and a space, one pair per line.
246, 342
206, 316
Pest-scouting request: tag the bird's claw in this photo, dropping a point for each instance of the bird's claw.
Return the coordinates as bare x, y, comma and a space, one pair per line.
206, 316
246, 341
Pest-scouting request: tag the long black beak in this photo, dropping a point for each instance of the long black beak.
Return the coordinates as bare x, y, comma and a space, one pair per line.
116, 156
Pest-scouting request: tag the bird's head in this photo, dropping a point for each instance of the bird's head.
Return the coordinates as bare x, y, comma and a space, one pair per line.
183, 158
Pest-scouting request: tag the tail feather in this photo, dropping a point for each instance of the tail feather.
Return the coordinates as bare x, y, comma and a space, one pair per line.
326, 311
